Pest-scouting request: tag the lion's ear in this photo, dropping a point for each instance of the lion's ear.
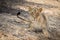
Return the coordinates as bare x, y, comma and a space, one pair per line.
40, 9
29, 8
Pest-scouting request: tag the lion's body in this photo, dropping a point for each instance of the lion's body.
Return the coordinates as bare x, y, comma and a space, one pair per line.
39, 21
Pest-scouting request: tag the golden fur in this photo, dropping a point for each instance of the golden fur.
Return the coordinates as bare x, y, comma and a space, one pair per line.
40, 18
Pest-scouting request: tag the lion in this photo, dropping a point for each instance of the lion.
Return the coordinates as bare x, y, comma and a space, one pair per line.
39, 20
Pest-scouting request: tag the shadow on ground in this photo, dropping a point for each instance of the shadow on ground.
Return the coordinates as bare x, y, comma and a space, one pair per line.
10, 10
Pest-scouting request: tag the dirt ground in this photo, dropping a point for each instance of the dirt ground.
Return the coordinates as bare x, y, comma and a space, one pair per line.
13, 28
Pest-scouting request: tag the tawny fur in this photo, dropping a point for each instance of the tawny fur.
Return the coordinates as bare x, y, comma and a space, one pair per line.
39, 19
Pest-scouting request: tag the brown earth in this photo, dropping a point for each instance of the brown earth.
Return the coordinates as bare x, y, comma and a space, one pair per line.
13, 28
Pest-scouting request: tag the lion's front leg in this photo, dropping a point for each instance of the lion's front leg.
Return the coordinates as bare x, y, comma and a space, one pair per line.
46, 33
43, 22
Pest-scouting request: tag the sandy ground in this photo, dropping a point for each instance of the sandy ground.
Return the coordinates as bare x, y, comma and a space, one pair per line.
13, 28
